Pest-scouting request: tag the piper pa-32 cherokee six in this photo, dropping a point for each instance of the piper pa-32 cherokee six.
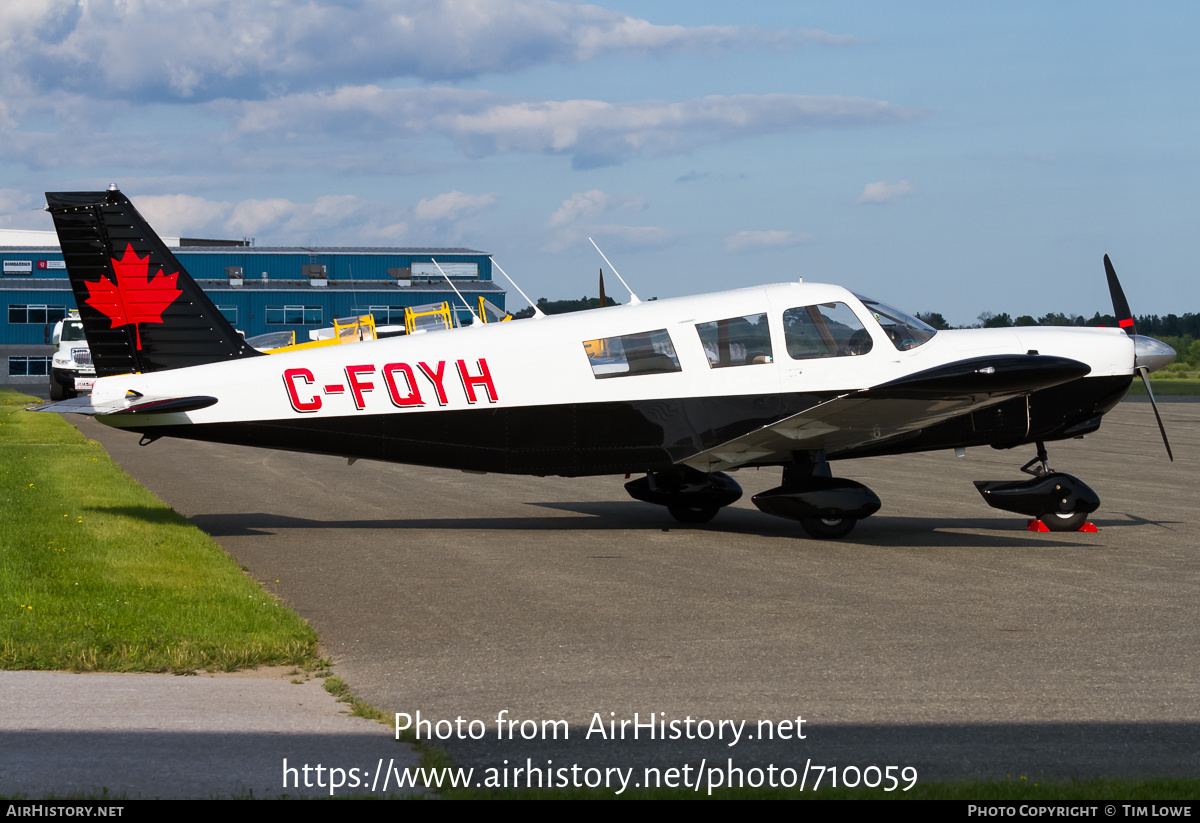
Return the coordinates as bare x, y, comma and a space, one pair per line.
679, 391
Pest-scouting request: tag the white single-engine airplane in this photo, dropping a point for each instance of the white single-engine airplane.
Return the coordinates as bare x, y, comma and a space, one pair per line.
679, 391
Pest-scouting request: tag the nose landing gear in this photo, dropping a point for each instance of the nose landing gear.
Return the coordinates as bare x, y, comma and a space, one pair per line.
1061, 501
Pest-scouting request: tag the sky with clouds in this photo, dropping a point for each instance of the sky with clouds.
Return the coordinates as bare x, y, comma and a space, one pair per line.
944, 157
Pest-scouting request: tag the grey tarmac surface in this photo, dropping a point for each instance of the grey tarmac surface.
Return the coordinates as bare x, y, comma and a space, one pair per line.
940, 634
160, 736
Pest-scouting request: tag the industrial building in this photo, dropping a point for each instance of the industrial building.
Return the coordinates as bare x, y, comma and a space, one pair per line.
260, 289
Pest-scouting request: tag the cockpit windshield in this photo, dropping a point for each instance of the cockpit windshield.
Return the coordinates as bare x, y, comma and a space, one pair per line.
904, 331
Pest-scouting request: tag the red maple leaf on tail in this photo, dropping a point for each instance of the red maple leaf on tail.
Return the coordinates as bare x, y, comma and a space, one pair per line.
136, 297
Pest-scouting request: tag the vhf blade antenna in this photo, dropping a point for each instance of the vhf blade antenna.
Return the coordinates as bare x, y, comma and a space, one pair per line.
456, 291
536, 311
633, 298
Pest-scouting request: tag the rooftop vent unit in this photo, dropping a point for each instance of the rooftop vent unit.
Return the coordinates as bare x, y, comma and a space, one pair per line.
316, 274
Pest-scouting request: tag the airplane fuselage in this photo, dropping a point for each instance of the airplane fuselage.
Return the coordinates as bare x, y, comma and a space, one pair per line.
565, 395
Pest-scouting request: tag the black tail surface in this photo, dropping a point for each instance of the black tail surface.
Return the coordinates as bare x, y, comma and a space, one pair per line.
141, 310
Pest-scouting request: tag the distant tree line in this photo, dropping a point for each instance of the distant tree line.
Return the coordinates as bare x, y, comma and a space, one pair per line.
1172, 325
1180, 332
563, 306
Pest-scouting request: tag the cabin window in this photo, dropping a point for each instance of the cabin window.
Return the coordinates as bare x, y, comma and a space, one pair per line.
738, 341
824, 330
648, 352
904, 331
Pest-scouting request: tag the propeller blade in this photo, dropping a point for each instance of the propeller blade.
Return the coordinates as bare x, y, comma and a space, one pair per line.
1144, 372
1120, 304
603, 299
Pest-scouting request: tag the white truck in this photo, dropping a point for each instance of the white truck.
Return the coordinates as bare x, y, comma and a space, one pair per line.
71, 370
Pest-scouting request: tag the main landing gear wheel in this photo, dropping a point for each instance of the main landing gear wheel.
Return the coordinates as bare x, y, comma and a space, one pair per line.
685, 513
828, 528
1060, 522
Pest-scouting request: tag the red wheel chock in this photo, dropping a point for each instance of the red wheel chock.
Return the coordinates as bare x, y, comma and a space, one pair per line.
1039, 526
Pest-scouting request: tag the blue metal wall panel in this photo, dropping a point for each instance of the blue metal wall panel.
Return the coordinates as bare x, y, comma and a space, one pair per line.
252, 302
30, 333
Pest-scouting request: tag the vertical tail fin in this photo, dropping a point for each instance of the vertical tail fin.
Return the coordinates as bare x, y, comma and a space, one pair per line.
141, 310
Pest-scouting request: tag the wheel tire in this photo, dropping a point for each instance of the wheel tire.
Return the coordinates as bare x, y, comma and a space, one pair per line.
56, 390
828, 528
686, 513
1069, 522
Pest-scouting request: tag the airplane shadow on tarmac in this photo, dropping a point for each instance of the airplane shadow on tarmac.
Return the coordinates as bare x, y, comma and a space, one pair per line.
900, 532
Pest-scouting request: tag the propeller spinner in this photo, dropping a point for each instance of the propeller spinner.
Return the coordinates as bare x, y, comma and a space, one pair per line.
1148, 354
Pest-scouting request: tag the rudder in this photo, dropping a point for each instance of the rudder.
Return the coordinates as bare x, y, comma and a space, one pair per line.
141, 310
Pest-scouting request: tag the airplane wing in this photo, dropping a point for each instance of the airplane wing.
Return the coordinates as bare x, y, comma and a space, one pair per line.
874, 415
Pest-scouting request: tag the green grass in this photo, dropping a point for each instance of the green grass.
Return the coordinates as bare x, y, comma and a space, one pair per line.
358, 707
97, 574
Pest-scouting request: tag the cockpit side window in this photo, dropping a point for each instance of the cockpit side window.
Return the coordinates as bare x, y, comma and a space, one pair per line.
649, 352
738, 341
824, 330
904, 331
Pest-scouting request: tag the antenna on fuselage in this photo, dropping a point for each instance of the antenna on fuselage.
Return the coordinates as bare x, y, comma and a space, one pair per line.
456, 291
536, 311
633, 298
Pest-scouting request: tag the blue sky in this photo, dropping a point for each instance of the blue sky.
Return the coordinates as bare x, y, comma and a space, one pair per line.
946, 157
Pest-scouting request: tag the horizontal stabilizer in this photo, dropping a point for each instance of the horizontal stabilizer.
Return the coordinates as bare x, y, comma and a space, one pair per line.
139, 405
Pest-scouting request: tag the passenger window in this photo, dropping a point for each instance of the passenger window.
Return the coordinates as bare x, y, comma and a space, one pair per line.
648, 352
824, 330
738, 341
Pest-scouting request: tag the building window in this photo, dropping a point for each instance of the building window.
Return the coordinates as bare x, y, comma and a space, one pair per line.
230, 313
455, 271
388, 315
294, 315
40, 315
28, 366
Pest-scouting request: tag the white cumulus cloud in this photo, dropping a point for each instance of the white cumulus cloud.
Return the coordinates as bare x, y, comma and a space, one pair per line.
592, 132
208, 49
591, 204
452, 205
884, 191
579, 217
331, 220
